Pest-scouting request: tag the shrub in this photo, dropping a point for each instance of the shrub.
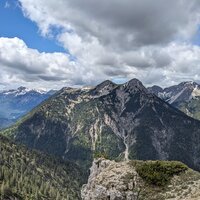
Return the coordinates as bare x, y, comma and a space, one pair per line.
97, 155
159, 173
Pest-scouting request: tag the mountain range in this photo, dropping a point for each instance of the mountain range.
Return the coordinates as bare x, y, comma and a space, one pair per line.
17, 102
184, 96
121, 122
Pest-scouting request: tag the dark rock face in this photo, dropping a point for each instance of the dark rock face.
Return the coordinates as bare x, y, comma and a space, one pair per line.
119, 121
185, 97
176, 94
155, 90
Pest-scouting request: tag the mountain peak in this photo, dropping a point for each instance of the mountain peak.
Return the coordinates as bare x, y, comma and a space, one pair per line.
23, 91
134, 81
177, 94
104, 88
135, 84
157, 87
189, 84
155, 90
21, 88
106, 83
122, 121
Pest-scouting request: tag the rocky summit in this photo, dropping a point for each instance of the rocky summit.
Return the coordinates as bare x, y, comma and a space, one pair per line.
110, 180
121, 122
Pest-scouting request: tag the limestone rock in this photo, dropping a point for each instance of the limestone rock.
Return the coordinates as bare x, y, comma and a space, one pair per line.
110, 180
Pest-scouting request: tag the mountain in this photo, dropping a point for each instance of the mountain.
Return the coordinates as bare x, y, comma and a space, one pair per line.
141, 180
118, 121
16, 103
185, 97
27, 174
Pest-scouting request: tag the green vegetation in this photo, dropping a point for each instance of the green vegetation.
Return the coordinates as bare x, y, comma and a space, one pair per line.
77, 126
106, 140
159, 173
30, 175
97, 155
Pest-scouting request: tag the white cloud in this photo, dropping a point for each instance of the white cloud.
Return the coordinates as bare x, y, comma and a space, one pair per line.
167, 65
22, 65
146, 39
116, 23
182, 64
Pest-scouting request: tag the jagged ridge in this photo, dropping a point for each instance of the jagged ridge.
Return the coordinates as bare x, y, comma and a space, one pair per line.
17, 102
125, 122
120, 180
185, 97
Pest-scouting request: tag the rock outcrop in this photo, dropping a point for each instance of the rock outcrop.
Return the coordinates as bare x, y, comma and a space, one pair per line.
110, 180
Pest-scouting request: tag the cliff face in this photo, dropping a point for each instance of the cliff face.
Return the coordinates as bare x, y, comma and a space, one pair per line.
121, 121
185, 97
110, 180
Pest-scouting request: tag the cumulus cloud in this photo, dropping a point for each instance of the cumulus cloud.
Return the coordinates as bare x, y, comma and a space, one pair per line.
118, 40
20, 64
182, 63
123, 24
153, 65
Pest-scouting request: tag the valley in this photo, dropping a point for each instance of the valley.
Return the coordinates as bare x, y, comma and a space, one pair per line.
121, 122
15, 103
99, 100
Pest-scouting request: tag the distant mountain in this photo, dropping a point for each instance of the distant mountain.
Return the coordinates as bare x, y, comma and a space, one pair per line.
26, 174
16, 103
185, 96
118, 121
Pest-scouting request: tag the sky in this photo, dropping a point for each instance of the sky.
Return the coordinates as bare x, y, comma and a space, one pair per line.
55, 43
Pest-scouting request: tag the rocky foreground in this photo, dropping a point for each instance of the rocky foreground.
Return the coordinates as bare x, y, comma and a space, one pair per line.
110, 180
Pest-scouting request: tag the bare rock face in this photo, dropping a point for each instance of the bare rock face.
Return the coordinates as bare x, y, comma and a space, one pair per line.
185, 97
110, 180
120, 121
177, 94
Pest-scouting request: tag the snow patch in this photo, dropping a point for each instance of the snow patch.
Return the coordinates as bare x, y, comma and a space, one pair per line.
22, 91
165, 95
196, 92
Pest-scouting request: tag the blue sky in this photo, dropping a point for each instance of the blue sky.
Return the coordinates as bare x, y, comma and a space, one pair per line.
14, 24
196, 39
